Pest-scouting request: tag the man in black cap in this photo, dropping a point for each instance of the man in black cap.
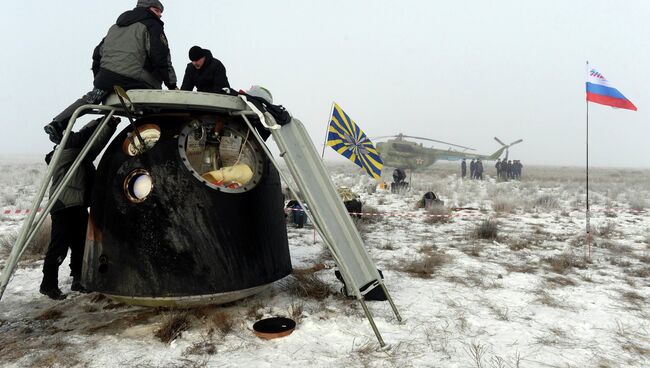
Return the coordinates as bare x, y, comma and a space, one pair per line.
204, 72
134, 54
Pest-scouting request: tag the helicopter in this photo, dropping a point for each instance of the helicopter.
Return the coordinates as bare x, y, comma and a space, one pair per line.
407, 154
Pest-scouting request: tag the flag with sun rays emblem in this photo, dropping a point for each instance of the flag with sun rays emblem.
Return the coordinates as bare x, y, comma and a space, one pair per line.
346, 138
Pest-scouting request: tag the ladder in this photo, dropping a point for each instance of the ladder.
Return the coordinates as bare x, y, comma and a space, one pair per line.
324, 206
33, 223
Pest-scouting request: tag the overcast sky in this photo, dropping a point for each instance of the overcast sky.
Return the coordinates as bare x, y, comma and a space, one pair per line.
457, 71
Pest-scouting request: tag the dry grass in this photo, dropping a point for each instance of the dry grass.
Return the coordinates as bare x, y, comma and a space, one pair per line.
560, 281
638, 204
61, 357
476, 353
7, 241
486, 229
545, 298
501, 312
387, 245
518, 244
521, 268
125, 321
634, 299
642, 272
254, 309
203, 347
222, 322
296, 310
173, 327
503, 205
480, 279
632, 340
457, 280
474, 249
38, 246
644, 258
554, 336
36, 249
606, 230
564, 262
113, 305
437, 215
306, 286
546, 201
425, 266
49, 314
370, 214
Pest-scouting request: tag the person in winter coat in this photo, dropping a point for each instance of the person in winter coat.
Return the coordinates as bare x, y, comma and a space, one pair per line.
463, 169
498, 167
204, 72
70, 211
134, 54
472, 169
479, 169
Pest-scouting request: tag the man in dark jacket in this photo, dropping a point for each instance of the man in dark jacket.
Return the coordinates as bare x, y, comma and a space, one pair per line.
70, 211
463, 169
204, 72
497, 165
134, 54
472, 169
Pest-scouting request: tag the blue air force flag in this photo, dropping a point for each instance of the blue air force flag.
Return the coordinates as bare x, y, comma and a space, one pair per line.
346, 138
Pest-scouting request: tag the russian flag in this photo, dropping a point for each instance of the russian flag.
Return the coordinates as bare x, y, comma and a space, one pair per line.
600, 91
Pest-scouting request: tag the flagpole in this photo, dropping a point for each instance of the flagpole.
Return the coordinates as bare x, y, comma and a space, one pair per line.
587, 216
327, 128
322, 156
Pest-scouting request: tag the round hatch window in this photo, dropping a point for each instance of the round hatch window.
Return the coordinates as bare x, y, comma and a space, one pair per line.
133, 146
138, 185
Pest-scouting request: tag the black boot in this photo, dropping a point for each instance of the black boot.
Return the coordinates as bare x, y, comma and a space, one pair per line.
53, 293
76, 286
54, 132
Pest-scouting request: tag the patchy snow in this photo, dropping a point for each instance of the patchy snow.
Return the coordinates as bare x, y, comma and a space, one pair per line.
527, 298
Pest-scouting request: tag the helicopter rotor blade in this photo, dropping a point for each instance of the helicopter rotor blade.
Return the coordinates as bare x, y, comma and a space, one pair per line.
434, 140
515, 142
382, 137
500, 142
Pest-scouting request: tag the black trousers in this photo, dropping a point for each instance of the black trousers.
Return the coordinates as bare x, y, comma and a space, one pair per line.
68, 231
102, 87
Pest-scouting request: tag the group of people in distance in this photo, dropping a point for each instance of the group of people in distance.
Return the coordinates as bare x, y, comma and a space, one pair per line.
506, 170
475, 169
134, 54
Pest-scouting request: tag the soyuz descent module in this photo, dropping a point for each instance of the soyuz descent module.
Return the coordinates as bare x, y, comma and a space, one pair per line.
187, 205
192, 216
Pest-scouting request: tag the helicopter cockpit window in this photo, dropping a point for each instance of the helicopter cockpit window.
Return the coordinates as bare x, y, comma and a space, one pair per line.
403, 147
222, 154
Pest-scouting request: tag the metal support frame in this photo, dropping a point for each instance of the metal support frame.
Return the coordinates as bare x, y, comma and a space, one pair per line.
33, 223
315, 221
29, 227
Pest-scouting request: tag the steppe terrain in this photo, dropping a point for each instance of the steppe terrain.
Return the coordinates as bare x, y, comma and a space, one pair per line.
506, 282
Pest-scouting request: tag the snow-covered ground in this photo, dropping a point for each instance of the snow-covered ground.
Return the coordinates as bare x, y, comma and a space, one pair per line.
528, 297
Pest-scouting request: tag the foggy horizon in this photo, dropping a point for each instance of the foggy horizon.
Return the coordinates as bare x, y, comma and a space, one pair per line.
461, 72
